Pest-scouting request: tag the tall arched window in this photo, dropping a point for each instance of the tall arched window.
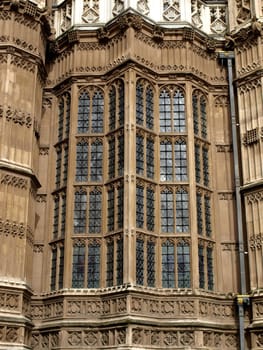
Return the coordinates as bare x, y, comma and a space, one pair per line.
144, 104
183, 265
172, 110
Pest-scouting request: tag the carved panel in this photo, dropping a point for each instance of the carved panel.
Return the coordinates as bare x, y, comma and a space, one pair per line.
9, 302
171, 10
142, 6
256, 242
10, 334
118, 7
12, 228
218, 19
22, 63
18, 117
91, 11
243, 10
254, 197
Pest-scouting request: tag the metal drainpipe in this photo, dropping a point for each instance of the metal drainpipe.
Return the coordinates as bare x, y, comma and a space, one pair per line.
243, 298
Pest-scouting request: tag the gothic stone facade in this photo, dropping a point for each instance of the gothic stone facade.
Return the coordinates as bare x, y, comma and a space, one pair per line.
118, 221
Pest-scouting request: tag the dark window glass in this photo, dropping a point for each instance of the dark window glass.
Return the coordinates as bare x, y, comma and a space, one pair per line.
182, 212
80, 212
65, 165
195, 115
168, 268
205, 167
121, 103
150, 264
210, 274
180, 156
96, 159
60, 119
93, 266
165, 112
83, 113
111, 158
139, 206
197, 164
120, 155
53, 269
110, 257
58, 167
61, 268
139, 104
67, 101
150, 158
166, 161
139, 261
82, 162
78, 267
149, 108
178, 111
208, 217
119, 262
167, 212
201, 267
150, 209
111, 210
95, 202
183, 265
139, 154
112, 121
63, 216
120, 207
203, 117
97, 112
56, 217
199, 213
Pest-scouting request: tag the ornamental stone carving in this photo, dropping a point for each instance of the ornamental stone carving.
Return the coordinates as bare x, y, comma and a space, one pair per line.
10, 228
74, 338
118, 7
171, 10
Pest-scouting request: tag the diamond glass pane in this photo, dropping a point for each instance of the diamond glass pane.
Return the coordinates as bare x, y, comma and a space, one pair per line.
139, 206
120, 155
82, 162
120, 207
58, 168
56, 217
121, 103
67, 101
53, 269
178, 112
183, 265
180, 156
201, 267
111, 210
203, 117
166, 161
95, 203
93, 266
167, 212
61, 268
197, 164
96, 161
111, 159
149, 108
150, 264
208, 229
195, 114
210, 272
80, 208
205, 167
150, 158
97, 112
150, 209
199, 213
182, 211
78, 267
139, 104
110, 257
139, 154
63, 216
60, 119
112, 118
168, 267
139, 261
119, 262
165, 112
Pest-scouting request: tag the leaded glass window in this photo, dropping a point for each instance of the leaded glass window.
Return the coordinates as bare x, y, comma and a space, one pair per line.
150, 215
97, 112
65, 165
120, 207
139, 206
151, 264
205, 167
111, 158
182, 212
119, 276
120, 155
83, 113
80, 208
63, 215
150, 158
166, 161
95, 205
61, 268
58, 167
139, 154
203, 117
82, 162
56, 217
199, 105
168, 267
149, 108
172, 110
110, 264
201, 267
197, 164
180, 156
78, 266
195, 114
112, 117
67, 121
208, 216
210, 273
96, 159
53, 269
183, 265
140, 261
139, 104
121, 102
111, 202
60, 119
93, 265
90, 112
167, 211
199, 213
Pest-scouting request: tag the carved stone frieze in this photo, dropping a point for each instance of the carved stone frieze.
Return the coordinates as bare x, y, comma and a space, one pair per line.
254, 197
225, 196
256, 242
15, 181
10, 334
11, 228
258, 309
17, 117
250, 85
224, 148
9, 301
23, 63
118, 7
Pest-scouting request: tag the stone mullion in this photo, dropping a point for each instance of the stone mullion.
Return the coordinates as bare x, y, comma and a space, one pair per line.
192, 188
129, 263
